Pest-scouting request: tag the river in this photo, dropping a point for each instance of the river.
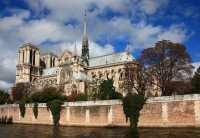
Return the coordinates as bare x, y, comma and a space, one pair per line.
42, 131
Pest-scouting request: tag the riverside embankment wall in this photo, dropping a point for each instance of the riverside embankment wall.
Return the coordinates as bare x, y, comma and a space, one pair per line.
172, 111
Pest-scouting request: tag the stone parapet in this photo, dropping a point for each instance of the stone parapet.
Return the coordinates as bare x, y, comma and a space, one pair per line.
170, 111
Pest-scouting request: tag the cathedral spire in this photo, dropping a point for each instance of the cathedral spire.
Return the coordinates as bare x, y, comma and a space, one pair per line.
85, 45
75, 50
128, 48
85, 28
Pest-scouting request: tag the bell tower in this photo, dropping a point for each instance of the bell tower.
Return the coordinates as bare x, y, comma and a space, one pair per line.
28, 67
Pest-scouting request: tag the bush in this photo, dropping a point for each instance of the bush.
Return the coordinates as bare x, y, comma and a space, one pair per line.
132, 104
81, 97
55, 107
46, 95
4, 97
22, 109
116, 95
107, 90
35, 110
72, 98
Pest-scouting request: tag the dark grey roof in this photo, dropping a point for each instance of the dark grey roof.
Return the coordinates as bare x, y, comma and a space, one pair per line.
111, 59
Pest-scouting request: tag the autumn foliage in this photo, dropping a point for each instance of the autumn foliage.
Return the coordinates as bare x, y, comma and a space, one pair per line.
166, 62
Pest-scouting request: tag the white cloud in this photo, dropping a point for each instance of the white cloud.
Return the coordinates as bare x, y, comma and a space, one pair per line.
94, 48
175, 33
196, 65
42, 29
8, 67
4, 85
151, 6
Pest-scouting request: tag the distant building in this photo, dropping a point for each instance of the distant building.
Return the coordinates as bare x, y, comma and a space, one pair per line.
67, 70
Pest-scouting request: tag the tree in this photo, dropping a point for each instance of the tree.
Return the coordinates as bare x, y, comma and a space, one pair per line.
166, 62
4, 97
134, 78
55, 107
20, 91
92, 89
81, 97
132, 104
181, 87
107, 90
196, 82
46, 95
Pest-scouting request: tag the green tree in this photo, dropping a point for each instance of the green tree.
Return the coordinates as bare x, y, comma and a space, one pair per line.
132, 104
196, 82
55, 107
4, 97
46, 95
81, 97
92, 89
107, 90
22, 108
35, 110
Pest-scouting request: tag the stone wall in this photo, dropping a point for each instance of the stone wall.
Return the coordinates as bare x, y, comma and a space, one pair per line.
172, 111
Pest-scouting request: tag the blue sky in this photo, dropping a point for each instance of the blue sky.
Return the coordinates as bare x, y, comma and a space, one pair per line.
111, 24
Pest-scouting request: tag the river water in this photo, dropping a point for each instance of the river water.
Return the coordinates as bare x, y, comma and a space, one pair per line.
42, 131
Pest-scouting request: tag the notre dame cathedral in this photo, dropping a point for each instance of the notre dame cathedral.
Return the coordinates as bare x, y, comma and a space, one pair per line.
67, 70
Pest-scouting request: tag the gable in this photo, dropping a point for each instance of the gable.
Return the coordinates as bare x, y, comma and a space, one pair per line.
66, 57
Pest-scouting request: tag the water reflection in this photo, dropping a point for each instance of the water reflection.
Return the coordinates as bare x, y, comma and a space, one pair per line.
131, 133
38, 131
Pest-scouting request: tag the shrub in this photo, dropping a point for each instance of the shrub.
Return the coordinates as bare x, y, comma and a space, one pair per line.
4, 97
107, 90
72, 98
116, 95
35, 110
132, 104
55, 107
46, 95
81, 97
22, 109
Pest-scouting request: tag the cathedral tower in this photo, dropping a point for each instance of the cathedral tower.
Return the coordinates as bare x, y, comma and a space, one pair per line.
28, 67
85, 44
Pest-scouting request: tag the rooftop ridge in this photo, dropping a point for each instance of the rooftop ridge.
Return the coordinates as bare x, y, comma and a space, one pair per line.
108, 54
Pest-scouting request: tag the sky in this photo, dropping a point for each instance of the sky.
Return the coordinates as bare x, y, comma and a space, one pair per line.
111, 25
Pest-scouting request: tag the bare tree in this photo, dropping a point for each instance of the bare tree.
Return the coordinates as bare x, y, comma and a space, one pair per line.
134, 78
166, 62
21, 90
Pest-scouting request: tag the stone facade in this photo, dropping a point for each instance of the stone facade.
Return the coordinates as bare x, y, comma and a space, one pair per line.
67, 70
179, 111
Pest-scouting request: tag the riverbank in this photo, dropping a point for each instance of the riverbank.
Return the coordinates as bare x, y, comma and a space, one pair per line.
170, 111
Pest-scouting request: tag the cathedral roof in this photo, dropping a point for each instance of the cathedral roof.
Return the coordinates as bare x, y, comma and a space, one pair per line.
49, 71
111, 59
